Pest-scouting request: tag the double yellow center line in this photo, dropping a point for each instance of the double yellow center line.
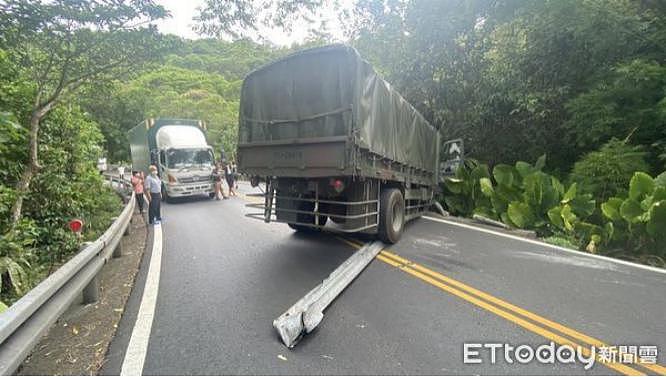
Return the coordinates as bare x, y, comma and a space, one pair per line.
530, 321
537, 324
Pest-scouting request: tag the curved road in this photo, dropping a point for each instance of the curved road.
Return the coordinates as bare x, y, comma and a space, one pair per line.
225, 277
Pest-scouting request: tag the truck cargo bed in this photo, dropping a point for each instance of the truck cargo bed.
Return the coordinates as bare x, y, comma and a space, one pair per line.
325, 112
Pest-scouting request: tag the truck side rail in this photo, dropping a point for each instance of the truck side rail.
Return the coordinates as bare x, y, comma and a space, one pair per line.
373, 215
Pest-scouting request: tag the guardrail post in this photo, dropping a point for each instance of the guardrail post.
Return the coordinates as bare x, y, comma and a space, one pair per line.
91, 291
118, 251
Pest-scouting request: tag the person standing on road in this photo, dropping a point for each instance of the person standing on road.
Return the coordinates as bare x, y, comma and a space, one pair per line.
217, 176
154, 193
121, 173
234, 171
229, 175
137, 183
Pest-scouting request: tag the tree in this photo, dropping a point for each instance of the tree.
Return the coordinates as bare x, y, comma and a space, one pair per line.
171, 92
61, 45
233, 60
245, 18
630, 102
606, 172
500, 74
198, 79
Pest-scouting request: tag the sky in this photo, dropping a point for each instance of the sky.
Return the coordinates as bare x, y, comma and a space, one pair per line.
183, 11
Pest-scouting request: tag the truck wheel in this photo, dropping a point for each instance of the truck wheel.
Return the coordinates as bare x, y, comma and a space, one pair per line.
211, 195
391, 215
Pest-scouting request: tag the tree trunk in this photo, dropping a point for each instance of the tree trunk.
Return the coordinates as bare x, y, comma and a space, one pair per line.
32, 167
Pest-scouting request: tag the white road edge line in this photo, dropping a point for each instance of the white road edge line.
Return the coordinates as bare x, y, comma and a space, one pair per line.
138, 344
544, 244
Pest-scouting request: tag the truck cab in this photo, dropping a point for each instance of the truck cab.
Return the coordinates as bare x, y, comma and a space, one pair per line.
185, 161
178, 147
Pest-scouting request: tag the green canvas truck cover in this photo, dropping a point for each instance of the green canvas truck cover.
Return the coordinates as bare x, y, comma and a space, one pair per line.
331, 91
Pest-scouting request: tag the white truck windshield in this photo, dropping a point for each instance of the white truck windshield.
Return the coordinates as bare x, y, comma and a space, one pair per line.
181, 158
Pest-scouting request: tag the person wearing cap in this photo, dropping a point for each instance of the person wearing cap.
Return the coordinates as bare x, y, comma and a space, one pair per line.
153, 192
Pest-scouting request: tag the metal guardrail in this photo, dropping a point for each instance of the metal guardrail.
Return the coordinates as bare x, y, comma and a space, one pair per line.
306, 314
23, 324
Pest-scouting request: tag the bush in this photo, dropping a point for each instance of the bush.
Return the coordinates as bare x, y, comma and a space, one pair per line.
68, 186
606, 172
523, 196
464, 196
16, 251
639, 218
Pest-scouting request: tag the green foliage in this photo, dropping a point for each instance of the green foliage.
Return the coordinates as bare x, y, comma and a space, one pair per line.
12, 137
465, 190
560, 241
606, 172
200, 79
628, 103
68, 186
525, 197
16, 249
579, 80
231, 60
58, 46
521, 215
244, 18
182, 93
516, 79
639, 219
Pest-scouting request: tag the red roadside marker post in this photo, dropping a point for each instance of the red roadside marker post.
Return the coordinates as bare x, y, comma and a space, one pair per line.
76, 226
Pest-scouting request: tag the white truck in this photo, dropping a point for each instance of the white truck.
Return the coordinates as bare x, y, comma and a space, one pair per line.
179, 149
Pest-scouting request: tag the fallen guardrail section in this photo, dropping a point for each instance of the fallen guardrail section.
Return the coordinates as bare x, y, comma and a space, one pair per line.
306, 314
23, 324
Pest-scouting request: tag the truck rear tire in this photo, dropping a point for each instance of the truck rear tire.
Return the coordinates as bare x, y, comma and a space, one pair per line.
391, 215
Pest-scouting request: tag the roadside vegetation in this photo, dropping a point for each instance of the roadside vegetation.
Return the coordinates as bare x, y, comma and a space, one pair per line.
561, 105
49, 144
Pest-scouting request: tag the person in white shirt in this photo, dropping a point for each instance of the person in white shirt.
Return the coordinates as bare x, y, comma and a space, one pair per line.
153, 191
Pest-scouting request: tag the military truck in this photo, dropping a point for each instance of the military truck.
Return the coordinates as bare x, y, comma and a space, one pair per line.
333, 140
179, 149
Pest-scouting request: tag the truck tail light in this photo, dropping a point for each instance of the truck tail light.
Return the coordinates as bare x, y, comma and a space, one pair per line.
172, 179
338, 185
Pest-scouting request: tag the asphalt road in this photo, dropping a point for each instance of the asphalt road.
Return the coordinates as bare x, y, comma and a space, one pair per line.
225, 277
